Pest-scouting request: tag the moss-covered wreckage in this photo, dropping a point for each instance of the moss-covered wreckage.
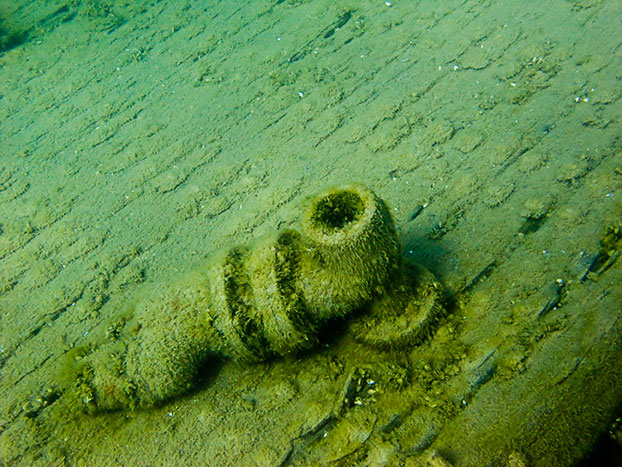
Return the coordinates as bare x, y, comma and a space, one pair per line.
263, 300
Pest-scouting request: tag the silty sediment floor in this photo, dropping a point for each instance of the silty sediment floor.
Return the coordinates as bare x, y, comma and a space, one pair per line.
136, 139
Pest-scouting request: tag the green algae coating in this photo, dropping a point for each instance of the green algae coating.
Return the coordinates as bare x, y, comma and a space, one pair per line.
138, 136
259, 301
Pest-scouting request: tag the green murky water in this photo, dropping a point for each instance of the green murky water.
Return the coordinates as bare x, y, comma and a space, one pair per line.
138, 138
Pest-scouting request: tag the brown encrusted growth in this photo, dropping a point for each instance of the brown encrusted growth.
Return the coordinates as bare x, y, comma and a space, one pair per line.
335, 210
287, 270
240, 305
405, 314
352, 250
265, 299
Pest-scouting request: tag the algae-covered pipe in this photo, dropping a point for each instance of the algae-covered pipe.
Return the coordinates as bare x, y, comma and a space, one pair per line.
250, 303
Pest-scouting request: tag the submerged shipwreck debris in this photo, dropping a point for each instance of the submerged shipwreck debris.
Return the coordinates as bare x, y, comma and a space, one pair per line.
266, 299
